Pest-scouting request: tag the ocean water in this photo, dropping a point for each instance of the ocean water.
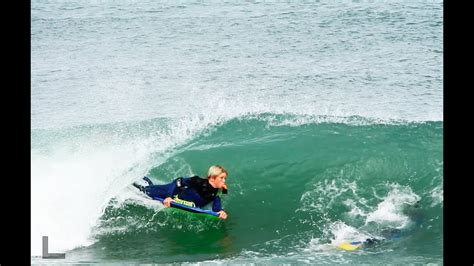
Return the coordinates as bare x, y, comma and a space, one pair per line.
328, 116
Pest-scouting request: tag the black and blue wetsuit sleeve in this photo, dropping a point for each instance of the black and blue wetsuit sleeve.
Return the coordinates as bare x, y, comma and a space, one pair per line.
216, 204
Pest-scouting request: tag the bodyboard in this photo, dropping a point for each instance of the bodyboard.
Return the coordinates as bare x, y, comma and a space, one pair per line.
195, 210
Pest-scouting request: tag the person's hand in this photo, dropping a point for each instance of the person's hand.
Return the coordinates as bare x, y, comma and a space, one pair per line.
222, 215
167, 202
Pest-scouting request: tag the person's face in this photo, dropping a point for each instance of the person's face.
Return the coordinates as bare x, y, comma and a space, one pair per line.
219, 180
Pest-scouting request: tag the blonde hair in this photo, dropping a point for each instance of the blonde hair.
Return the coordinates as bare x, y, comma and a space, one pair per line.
216, 170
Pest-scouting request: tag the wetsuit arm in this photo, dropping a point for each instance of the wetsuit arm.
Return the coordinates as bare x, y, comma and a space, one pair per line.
216, 204
170, 188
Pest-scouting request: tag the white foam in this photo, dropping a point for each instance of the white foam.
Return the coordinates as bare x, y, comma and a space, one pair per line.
74, 180
389, 212
437, 195
343, 233
70, 188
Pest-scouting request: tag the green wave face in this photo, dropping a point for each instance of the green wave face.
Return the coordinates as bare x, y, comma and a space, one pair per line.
297, 188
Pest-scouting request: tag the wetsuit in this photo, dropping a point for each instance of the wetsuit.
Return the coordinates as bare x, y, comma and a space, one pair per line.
193, 189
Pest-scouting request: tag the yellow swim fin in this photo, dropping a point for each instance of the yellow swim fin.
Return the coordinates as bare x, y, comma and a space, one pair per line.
350, 245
